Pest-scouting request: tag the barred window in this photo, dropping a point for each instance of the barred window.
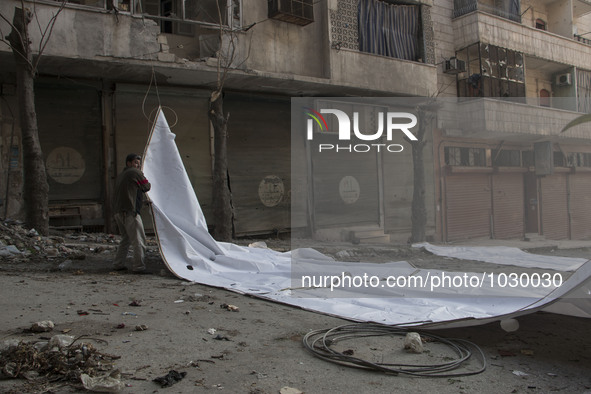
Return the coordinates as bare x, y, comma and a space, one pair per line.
467, 157
506, 158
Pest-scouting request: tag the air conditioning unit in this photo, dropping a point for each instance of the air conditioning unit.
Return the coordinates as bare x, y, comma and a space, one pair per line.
299, 12
564, 79
454, 66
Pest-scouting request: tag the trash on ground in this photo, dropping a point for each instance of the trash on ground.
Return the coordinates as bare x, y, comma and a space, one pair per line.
520, 373
60, 359
109, 383
42, 326
141, 327
231, 308
413, 342
290, 390
170, 378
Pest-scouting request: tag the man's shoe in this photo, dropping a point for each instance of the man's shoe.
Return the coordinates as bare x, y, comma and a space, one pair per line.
119, 268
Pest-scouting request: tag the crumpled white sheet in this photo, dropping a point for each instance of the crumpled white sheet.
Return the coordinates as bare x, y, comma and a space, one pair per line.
191, 253
504, 255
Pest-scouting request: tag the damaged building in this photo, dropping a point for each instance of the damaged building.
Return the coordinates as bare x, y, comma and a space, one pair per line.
110, 63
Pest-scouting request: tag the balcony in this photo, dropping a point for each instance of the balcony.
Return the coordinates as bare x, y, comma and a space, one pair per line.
512, 121
482, 27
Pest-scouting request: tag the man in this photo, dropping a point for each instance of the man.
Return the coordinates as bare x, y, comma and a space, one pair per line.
130, 187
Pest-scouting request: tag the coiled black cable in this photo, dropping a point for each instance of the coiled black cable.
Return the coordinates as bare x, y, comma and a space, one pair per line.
319, 343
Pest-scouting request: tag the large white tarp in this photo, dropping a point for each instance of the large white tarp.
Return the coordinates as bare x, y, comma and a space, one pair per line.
504, 255
191, 253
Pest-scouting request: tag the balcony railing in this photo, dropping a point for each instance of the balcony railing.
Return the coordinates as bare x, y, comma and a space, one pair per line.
463, 7
582, 39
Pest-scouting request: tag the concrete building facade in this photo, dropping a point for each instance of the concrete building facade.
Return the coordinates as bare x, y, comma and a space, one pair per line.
109, 63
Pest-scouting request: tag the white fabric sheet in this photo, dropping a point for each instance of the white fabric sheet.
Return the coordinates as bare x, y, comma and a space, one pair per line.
192, 254
504, 255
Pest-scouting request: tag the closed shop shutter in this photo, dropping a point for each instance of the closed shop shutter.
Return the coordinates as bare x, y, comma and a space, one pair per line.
554, 206
186, 113
259, 163
468, 206
346, 185
70, 133
508, 206
580, 205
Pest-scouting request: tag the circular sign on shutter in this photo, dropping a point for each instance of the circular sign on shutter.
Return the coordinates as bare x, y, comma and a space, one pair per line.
65, 165
271, 190
349, 189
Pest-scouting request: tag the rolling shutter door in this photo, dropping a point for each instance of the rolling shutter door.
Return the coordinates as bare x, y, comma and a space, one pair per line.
468, 204
346, 186
70, 133
508, 206
580, 205
554, 207
259, 163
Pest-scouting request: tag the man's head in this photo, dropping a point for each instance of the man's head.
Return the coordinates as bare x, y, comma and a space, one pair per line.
133, 160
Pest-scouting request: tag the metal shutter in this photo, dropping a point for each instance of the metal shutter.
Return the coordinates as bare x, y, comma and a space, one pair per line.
580, 205
508, 206
554, 207
468, 206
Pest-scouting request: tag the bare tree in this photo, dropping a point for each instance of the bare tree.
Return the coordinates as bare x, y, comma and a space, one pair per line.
418, 215
36, 188
226, 55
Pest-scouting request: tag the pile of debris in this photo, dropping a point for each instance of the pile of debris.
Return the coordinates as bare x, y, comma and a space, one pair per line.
61, 359
17, 242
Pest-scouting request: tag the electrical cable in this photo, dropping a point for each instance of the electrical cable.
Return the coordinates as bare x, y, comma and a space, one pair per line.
319, 343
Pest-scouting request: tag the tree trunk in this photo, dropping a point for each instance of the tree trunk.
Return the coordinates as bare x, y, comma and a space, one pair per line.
418, 209
36, 189
222, 198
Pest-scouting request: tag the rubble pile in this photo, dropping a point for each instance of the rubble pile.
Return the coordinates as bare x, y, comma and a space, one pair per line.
60, 359
17, 243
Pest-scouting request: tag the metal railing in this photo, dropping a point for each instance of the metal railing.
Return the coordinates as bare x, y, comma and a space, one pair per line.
463, 7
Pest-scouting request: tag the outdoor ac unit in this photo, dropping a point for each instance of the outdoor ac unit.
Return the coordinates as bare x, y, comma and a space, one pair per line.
299, 12
454, 66
563, 79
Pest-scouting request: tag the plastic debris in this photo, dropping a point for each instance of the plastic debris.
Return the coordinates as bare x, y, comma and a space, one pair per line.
290, 390
170, 378
60, 341
42, 326
519, 373
413, 343
141, 327
135, 303
229, 307
510, 325
211, 331
65, 265
110, 383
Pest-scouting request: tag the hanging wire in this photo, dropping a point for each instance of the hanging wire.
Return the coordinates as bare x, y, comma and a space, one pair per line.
319, 343
150, 117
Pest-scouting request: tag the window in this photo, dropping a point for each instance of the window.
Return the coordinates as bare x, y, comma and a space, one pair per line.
299, 12
467, 157
540, 24
578, 159
389, 29
491, 71
506, 158
204, 12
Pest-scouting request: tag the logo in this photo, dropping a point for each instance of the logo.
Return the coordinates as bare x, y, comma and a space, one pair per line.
390, 122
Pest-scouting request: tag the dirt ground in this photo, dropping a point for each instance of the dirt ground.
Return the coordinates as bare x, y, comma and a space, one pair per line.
258, 349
